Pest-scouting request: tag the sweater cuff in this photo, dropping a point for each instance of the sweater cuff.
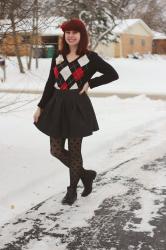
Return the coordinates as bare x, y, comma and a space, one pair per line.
90, 85
40, 106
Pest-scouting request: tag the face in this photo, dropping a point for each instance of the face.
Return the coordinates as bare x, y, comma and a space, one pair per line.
72, 37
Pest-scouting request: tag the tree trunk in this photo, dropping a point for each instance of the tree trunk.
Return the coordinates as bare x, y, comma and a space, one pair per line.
31, 43
16, 44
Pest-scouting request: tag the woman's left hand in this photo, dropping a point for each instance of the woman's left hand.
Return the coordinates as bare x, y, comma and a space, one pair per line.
85, 88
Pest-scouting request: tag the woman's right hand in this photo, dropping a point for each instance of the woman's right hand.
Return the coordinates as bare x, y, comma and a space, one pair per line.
37, 114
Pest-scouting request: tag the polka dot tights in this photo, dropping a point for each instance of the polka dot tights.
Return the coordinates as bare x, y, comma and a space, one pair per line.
72, 158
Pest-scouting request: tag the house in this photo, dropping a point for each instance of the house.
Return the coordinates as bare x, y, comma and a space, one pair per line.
159, 43
47, 38
133, 35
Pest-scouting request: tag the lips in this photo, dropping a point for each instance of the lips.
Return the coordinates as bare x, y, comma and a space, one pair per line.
71, 40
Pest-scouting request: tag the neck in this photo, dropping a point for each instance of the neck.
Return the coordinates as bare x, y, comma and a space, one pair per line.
73, 49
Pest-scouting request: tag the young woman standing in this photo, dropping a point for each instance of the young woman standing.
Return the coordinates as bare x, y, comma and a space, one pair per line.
65, 111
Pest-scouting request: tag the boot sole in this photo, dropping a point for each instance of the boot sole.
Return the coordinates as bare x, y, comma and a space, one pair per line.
68, 203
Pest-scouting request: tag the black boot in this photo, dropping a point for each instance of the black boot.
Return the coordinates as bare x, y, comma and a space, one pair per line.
70, 196
87, 180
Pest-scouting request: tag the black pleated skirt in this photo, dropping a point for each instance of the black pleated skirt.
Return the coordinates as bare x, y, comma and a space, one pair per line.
68, 114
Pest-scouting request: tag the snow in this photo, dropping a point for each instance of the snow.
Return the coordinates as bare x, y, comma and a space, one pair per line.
29, 174
123, 25
140, 76
46, 26
158, 35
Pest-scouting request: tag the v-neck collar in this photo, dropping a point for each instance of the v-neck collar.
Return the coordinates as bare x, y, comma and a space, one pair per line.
65, 57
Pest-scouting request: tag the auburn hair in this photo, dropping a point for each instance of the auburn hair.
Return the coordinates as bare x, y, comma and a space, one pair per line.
76, 25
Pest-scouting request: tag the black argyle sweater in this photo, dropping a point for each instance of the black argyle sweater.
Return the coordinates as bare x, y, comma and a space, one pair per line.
65, 75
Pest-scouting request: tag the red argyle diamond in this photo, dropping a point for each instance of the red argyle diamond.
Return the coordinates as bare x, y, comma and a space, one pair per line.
64, 86
56, 72
78, 73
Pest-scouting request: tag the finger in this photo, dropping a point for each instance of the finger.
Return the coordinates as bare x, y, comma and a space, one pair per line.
36, 119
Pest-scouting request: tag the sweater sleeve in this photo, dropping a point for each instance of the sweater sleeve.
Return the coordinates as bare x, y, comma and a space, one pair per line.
49, 86
109, 74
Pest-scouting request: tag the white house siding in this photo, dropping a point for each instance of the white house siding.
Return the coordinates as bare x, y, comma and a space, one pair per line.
106, 50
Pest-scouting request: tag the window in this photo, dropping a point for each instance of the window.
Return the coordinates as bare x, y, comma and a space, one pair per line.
131, 41
143, 42
154, 44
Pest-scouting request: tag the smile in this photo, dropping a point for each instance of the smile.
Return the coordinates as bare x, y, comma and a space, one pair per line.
71, 40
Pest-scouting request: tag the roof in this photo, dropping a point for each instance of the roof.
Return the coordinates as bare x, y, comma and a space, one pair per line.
158, 35
46, 26
124, 25
50, 26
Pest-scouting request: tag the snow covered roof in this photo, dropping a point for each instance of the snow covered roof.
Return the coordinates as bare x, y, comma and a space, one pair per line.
50, 26
158, 35
124, 25
46, 26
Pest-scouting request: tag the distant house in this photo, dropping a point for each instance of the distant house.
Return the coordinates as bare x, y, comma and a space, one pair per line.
133, 36
159, 43
48, 37
7, 45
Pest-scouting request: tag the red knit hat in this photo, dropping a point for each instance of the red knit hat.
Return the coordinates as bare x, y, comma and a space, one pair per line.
73, 24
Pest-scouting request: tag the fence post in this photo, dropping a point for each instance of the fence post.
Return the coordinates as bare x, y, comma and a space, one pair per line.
2, 65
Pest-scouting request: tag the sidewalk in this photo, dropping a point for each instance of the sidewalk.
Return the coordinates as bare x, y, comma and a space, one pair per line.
154, 96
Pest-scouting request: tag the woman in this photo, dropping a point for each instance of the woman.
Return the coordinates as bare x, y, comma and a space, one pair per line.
65, 110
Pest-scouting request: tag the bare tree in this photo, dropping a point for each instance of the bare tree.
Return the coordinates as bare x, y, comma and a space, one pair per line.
34, 34
22, 17
14, 12
13, 25
152, 12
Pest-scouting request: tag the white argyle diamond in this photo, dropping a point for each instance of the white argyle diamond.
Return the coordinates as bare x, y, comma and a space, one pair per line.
74, 86
59, 59
56, 85
65, 72
83, 60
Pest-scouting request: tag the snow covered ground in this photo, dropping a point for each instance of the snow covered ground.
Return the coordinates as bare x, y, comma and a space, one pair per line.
146, 75
132, 133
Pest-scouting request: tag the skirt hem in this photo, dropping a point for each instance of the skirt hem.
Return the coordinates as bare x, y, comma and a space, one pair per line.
68, 114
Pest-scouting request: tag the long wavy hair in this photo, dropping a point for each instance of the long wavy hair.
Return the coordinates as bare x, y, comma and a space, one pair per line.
76, 25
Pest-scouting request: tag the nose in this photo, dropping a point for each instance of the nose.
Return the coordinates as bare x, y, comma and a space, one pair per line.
70, 34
